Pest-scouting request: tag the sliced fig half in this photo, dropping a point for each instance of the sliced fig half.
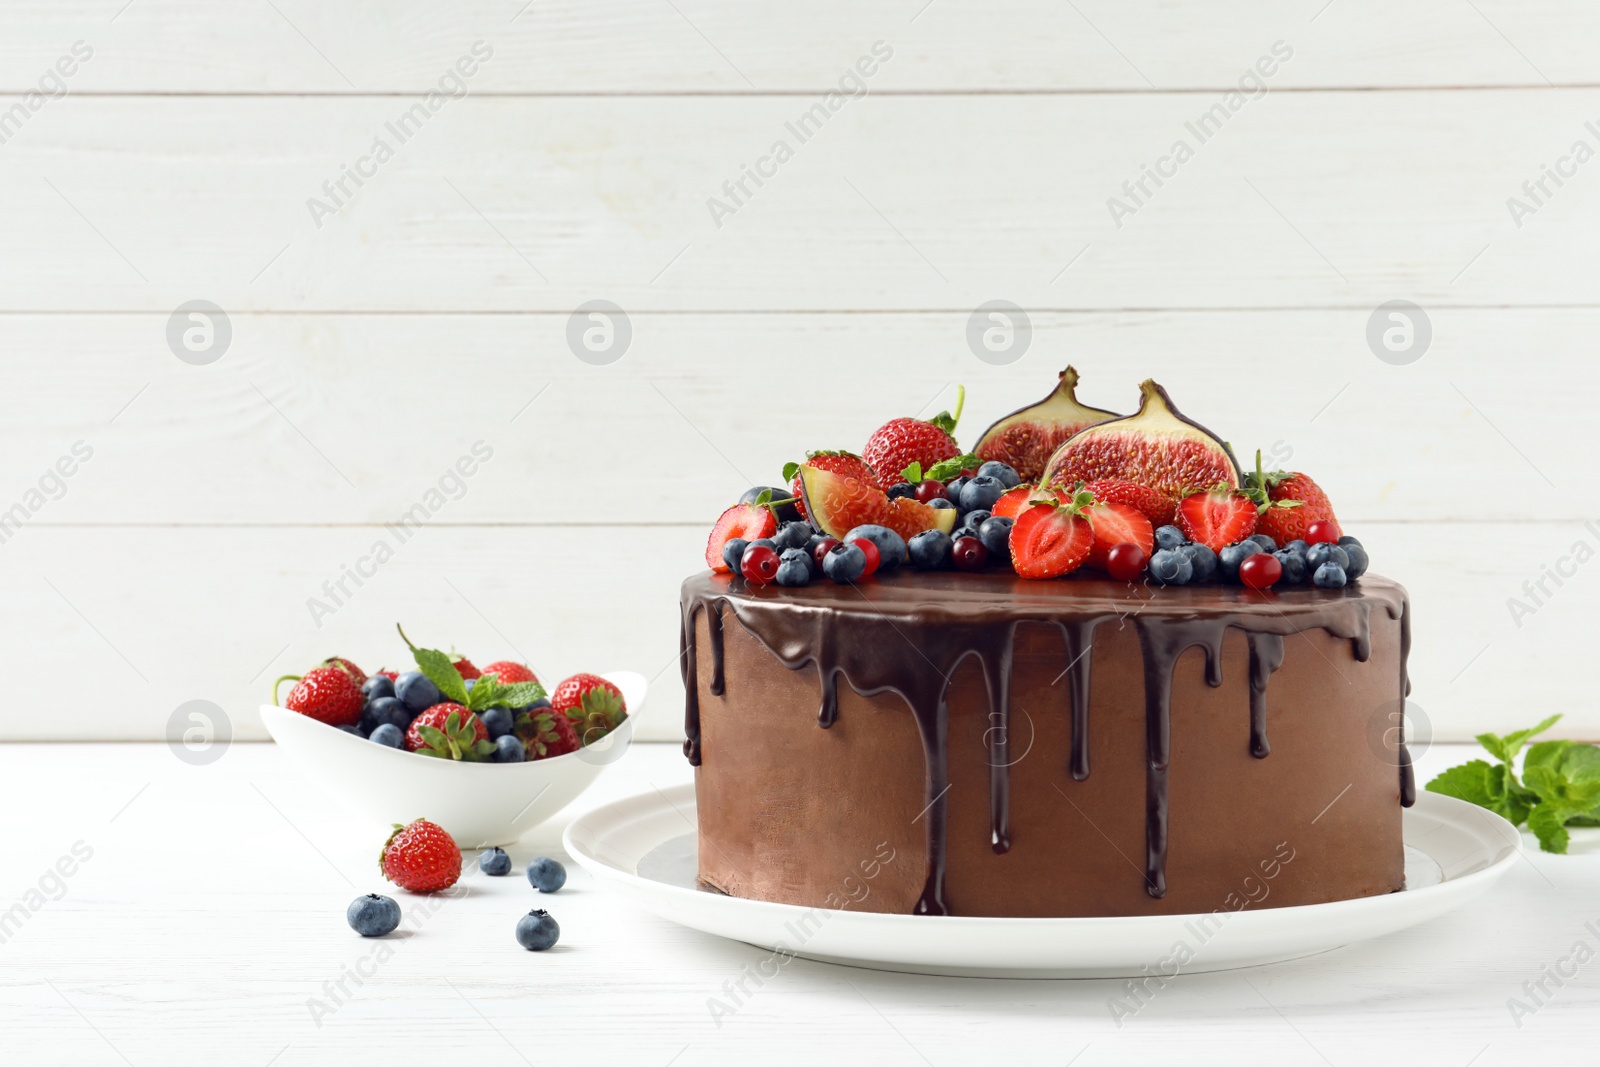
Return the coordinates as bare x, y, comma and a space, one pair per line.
1026, 438
837, 504
1156, 447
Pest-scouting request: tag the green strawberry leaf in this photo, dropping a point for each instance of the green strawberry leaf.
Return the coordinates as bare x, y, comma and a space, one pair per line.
480, 751
434, 742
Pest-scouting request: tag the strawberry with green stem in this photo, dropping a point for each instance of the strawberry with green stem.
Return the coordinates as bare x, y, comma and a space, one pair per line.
898, 443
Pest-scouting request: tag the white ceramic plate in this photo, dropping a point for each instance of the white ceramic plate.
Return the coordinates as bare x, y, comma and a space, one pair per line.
644, 847
478, 803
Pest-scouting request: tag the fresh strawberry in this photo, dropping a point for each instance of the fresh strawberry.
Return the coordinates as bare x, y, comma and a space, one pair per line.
510, 673
1217, 517
327, 694
345, 665
465, 668
847, 464
748, 521
546, 732
1051, 539
449, 731
421, 858
1016, 500
593, 705
391, 675
1296, 501
898, 443
1116, 524
1152, 504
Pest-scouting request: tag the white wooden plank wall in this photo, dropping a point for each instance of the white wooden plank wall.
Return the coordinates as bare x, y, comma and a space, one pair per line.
171, 155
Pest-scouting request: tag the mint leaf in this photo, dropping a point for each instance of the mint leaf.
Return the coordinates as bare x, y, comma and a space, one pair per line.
1572, 783
946, 469
1506, 748
1548, 822
913, 473
520, 694
1485, 785
790, 469
483, 692
441, 672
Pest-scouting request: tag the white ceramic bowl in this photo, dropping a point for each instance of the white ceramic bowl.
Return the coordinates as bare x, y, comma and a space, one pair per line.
480, 804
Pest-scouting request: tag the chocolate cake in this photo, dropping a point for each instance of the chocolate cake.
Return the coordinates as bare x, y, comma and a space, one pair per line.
1081, 746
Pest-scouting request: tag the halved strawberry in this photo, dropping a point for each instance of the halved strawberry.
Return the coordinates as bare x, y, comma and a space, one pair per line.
1115, 524
1152, 504
1217, 517
909, 517
748, 521
840, 462
838, 504
1049, 540
1013, 501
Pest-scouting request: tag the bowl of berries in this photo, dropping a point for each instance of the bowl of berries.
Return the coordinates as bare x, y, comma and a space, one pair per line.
486, 753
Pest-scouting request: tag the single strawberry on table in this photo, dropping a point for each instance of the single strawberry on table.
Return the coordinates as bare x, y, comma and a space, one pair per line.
1050, 539
449, 731
840, 462
898, 443
593, 704
421, 858
327, 694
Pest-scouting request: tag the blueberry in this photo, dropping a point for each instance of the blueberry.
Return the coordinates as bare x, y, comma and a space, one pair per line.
793, 535
377, 686
1202, 559
942, 503
469, 683
1003, 473
1232, 555
1267, 543
389, 734
930, 550
1294, 566
1357, 556
510, 749
386, 710
784, 512
372, 915
891, 546
844, 563
975, 519
1171, 566
497, 721
995, 533
980, 492
1329, 576
954, 486
1298, 547
1346, 541
416, 691
794, 567
1169, 537
546, 875
767, 541
1326, 553
356, 730
537, 705
494, 862
733, 551
900, 489
537, 931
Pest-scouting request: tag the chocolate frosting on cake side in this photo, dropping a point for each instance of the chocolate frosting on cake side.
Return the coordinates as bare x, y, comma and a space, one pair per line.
910, 636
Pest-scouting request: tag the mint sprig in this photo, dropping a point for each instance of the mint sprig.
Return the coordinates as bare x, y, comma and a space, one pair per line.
488, 692
1559, 787
946, 469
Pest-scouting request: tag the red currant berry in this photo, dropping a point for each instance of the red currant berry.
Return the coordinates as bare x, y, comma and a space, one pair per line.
1125, 562
759, 565
931, 490
1322, 531
869, 550
1260, 570
824, 546
968, 554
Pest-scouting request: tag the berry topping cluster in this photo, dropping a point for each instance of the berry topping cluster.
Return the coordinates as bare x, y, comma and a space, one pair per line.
1045, 491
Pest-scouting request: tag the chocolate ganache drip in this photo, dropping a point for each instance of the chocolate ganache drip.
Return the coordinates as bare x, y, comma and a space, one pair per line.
935, 621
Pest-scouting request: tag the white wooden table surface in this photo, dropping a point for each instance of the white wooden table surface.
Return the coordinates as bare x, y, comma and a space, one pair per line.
207, 924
